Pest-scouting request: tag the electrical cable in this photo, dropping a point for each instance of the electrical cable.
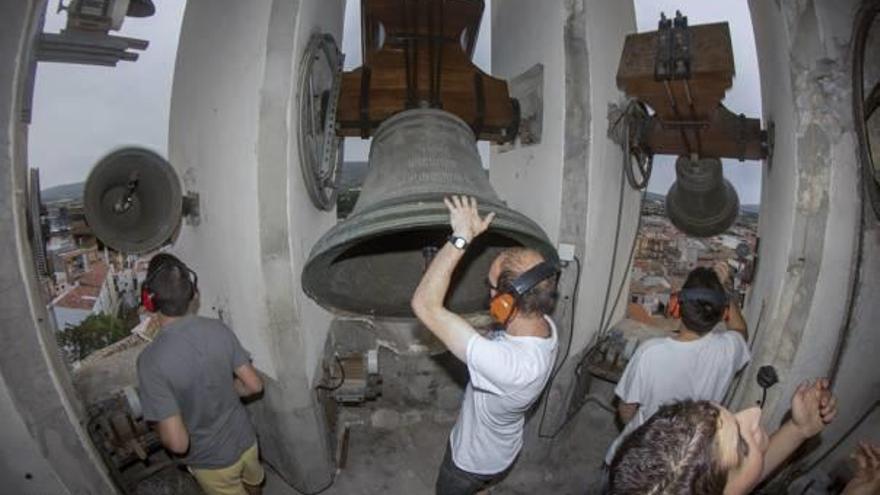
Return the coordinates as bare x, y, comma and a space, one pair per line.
596, 341
603, 326
627, 118
574, 299
632, 250
341, 379
623, 129
644, 161
613, 253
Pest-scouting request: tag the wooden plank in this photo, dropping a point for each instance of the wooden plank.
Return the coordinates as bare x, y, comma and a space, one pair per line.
726, 136
712, 72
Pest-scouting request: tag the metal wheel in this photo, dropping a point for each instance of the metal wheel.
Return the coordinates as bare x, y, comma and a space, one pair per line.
866, 97
319, 147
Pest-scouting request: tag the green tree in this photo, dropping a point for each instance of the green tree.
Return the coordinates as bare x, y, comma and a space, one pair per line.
95, 332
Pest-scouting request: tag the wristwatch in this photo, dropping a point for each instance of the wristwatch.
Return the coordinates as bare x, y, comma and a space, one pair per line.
458, 241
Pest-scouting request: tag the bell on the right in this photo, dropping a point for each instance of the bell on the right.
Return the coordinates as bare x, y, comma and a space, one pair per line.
701, 202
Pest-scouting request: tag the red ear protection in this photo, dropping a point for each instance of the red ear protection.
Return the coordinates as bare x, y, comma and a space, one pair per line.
503, 306
673, 309
147, 299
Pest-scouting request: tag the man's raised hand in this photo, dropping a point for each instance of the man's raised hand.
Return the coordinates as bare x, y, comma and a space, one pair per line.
813, 407
464, 217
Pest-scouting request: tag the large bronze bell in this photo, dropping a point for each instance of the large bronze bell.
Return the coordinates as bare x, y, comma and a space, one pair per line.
371, 263
701, 202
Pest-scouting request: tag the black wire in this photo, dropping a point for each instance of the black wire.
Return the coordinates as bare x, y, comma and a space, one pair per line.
644, 161
626, 176
602, 324
341, 379
644, 158
613, 252
574, 299
632, 250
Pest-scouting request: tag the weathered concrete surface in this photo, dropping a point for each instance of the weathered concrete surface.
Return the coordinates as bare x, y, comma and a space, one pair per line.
396, 443
42, 444
812, 285
233, 138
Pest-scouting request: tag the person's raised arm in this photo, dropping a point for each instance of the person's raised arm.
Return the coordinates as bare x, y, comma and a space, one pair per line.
812, 408
427, 301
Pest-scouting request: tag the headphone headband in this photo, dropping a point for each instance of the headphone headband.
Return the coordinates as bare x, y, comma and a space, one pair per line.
174, 262
701, 294
532, 277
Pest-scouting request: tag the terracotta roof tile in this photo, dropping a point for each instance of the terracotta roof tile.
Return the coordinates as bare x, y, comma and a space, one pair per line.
80, 297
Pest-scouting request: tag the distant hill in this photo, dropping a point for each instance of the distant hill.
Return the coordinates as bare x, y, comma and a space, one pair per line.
65, 192
351, 174
753, 209
655, 197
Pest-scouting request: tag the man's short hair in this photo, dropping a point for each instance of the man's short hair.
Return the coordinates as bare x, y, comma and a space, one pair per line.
673, 453
171, 283
701, 315
540, 299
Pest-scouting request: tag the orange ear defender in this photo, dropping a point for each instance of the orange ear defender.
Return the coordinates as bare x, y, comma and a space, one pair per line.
673, 309
503, 306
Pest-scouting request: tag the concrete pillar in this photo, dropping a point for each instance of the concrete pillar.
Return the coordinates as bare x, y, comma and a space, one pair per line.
43, 444
233, 140
812, 310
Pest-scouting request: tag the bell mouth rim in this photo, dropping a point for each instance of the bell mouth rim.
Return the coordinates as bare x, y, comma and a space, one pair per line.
381, 219
431, 220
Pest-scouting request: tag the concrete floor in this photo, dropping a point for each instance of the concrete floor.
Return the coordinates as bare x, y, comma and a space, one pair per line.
396, 443
405, 461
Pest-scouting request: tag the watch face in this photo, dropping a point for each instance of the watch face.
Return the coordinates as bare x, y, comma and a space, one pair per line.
459, 242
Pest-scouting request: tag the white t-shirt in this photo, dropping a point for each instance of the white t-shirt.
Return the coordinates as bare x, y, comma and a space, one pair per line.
507, 374
664, 370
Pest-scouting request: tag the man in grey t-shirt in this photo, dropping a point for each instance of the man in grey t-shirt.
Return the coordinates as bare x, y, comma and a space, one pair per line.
191, 378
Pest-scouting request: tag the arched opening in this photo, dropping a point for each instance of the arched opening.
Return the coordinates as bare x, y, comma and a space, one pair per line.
662, 254
87, 103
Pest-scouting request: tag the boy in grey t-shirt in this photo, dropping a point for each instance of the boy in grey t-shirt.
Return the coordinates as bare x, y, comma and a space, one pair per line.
191, 378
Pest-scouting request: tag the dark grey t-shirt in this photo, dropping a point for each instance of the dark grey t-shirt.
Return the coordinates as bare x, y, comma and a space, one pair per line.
188, 369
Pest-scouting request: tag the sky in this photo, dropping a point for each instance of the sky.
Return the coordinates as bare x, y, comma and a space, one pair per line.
81, 113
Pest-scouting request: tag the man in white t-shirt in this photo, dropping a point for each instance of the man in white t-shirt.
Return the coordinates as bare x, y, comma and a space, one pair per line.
698, 363
509, 369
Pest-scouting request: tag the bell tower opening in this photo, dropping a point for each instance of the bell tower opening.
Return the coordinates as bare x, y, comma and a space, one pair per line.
694, 211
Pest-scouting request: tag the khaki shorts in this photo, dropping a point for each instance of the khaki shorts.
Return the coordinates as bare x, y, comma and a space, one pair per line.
228, 480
